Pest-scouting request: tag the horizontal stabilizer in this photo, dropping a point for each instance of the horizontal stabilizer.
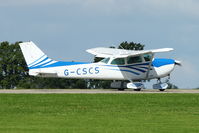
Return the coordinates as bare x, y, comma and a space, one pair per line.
43, 74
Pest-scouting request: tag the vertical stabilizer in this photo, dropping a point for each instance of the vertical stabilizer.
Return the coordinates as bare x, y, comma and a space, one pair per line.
34, 56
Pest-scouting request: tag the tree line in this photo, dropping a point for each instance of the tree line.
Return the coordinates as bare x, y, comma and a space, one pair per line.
14, 71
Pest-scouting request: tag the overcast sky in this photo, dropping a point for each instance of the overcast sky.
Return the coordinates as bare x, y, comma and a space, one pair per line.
64, 29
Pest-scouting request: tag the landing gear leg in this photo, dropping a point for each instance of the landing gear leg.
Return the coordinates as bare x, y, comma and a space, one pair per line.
122, 86
161, 85
159, 82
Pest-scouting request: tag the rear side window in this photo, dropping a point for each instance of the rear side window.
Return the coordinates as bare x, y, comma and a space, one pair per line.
135, 59
118, 61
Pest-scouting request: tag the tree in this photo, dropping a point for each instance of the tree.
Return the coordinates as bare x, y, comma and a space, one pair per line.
12, 65
131, 46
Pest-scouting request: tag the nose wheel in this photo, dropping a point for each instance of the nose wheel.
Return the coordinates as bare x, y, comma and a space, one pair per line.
161, 86
161, 89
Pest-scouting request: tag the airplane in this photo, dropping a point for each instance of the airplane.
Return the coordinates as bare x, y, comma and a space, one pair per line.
118, 64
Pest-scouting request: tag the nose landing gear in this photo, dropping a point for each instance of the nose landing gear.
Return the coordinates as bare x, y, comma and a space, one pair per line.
161, 85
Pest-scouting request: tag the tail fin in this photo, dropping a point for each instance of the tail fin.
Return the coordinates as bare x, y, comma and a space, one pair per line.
33, 55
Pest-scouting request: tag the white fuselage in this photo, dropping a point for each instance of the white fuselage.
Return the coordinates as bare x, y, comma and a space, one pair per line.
104, 71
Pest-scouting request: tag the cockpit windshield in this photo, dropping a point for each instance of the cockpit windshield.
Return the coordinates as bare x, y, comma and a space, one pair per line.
147, 57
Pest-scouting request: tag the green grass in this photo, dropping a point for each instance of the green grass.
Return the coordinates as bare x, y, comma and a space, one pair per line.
99, 113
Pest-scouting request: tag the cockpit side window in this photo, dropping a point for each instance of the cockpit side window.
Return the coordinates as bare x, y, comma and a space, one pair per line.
147, 57
118, 61
106, 60
135, 59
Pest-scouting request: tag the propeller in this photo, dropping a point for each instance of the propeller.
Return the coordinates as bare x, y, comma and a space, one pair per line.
178, 63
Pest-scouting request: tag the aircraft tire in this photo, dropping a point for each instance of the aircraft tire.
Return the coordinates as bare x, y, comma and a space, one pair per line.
161, 89
137, 89
120, 89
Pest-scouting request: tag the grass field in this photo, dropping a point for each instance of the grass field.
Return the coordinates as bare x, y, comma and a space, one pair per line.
99, 113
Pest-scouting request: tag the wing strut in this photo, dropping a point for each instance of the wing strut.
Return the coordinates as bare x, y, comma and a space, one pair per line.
149, 67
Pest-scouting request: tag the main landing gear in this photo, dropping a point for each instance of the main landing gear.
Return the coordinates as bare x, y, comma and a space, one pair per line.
136, 86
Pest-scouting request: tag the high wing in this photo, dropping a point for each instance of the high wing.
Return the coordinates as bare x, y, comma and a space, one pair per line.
112, 52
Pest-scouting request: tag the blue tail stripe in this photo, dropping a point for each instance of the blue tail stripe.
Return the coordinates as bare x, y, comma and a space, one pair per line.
40, 62
42, 65
46, 63
36, 60
59, 63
